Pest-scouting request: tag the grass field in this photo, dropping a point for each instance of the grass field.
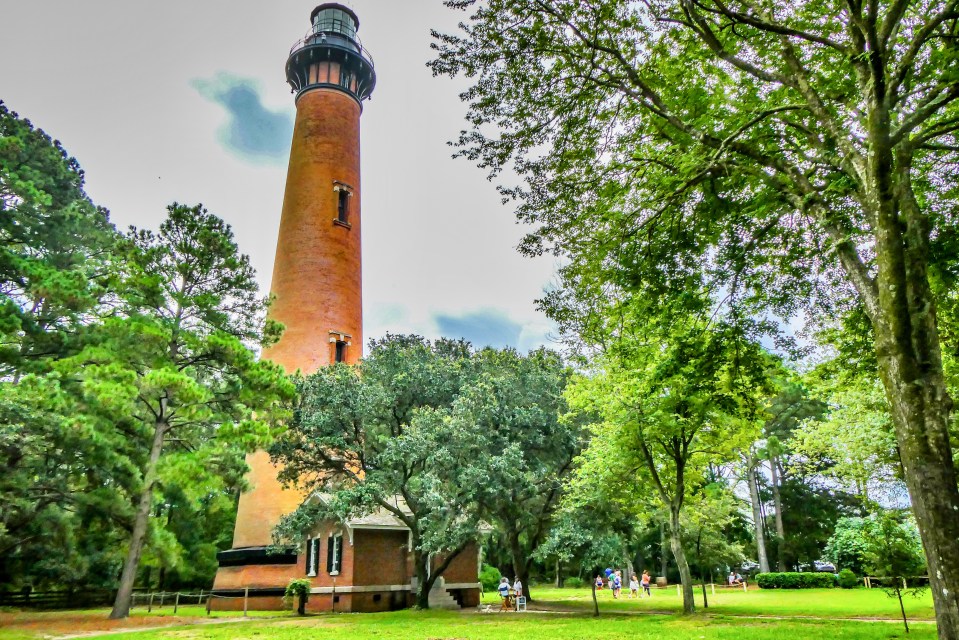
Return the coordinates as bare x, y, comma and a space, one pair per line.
732, 614
828, 603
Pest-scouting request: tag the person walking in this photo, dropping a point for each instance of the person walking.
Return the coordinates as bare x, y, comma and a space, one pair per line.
645, 584
504, 594
633, 586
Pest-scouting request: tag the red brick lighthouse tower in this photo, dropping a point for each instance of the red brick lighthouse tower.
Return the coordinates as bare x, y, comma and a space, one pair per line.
316, 275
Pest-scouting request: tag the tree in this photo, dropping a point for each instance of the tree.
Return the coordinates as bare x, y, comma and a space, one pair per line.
893, 551
848, 545
709, 513
788, 410
854, 443
378, 436
782, 154
515, 408
579, 534
54, 249
811, 508
176, 365
759, 525
64, 494
66, 477
672, 399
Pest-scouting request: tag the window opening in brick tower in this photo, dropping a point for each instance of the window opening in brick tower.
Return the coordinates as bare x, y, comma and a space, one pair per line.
343, 206
340, 351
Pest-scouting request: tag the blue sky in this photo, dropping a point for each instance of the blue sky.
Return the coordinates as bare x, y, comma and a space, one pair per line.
251, 131
187, 101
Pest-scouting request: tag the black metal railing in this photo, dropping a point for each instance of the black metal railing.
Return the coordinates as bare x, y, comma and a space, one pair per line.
315, 39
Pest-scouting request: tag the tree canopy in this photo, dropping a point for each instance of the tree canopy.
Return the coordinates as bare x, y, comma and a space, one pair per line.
786, 158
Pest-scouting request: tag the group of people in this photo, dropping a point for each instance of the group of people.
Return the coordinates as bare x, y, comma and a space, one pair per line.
508, 593
614, 582
735, 578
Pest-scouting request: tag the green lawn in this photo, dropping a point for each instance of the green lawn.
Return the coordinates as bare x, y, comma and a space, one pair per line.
827, 603
435, 625
732, 615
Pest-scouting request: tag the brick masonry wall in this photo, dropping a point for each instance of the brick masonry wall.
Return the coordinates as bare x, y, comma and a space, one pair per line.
262, 603
380, 557
464, 567
257, 576
317, 276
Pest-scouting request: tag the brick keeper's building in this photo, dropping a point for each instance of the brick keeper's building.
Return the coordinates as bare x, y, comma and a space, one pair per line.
363, 564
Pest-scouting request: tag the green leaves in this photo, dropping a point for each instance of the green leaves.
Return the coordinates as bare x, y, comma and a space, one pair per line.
436, 434
106, 341
54, 248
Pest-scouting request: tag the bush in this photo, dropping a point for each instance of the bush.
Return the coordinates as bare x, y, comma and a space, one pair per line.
848, 579
489, 577
792, 580
573, 582
298, 591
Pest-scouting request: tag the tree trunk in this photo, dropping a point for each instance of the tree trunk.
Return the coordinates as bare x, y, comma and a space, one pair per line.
902, 609
778, 504
559, 576
121, 605
757, 514
676, 543
699, 561
427, 575
925, 450
902, 309
520, 566
662, 549
424, 581
595, 601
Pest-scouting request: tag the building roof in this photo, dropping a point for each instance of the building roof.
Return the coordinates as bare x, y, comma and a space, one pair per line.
379, 519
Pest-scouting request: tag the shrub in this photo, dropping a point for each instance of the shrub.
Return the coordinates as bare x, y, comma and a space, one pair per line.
298, 590
489, 577
573, 582
847, 579
792, 580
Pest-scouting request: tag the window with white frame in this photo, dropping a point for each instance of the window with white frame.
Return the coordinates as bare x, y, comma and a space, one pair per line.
334, 554
312, 556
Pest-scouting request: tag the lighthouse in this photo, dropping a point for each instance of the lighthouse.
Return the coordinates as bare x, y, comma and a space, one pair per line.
317, 275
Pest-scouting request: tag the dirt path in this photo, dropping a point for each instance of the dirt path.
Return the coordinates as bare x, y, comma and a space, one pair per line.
174, 623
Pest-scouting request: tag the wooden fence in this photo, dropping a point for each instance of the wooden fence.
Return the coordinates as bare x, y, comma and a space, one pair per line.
873, 582
58, 599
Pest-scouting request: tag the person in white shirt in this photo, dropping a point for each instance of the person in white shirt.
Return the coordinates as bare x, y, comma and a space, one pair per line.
518, 587
504, 594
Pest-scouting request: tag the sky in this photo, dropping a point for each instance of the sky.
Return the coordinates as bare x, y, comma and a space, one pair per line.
188, 102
